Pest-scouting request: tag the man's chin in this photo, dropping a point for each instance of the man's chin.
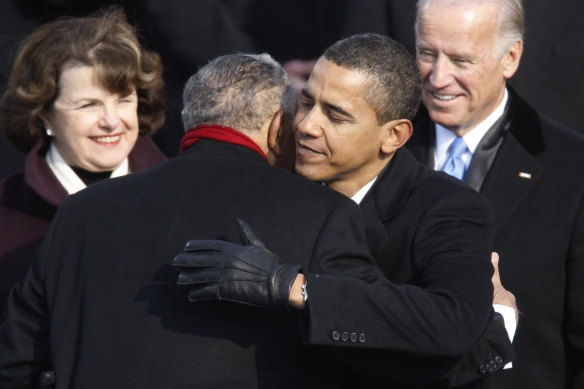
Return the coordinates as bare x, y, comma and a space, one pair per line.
308, 171
445, 119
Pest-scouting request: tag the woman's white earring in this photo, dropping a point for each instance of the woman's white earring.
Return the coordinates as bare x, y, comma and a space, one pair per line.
49, 132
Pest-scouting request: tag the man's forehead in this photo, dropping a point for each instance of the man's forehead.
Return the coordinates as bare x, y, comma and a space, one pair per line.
475, 32
331, 81
474, 18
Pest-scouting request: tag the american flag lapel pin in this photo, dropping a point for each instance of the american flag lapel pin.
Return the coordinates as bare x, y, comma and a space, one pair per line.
525, 175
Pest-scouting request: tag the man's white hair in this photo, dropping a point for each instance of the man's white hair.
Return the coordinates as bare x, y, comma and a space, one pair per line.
511, 19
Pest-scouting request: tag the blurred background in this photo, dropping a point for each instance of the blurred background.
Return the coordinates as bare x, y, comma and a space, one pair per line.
189, 33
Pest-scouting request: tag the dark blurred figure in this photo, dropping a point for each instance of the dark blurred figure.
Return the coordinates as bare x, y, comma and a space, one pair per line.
13, 27
82, 100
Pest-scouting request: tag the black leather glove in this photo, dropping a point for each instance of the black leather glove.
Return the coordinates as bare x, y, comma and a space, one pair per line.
247, 274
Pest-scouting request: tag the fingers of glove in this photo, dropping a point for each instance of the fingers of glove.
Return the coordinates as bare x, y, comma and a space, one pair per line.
247, 235
201, 260
204, 293
222, 261
199, 277
218, 275
201, 245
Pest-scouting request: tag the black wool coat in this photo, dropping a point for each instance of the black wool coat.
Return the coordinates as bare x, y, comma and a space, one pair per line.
100, 305
432, 238
535, 185
28, 202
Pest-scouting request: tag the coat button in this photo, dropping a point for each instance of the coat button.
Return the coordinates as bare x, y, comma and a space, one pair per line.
353, 337
483, 369
336, 336
362, 338
345, 336
498, 359
489, 368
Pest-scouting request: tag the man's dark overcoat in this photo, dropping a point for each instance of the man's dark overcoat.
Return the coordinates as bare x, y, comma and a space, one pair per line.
534, 182
100, 305
432, 236
28, 202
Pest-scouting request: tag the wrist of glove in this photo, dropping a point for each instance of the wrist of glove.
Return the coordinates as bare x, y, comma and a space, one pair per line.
247, 274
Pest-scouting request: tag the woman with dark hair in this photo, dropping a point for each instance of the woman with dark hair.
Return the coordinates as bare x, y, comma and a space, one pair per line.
82, 100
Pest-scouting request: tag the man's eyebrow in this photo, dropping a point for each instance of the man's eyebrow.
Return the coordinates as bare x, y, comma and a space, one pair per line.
330, 106
338, 109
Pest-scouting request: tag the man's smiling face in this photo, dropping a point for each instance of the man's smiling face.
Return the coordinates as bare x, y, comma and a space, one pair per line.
462, 69
338, 137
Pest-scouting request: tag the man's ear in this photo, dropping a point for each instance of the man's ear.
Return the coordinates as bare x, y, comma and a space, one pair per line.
281, 146
273, 132
397, 132
512, 58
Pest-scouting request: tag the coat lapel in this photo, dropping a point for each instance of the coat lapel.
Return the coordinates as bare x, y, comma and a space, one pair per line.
515, 170
484, 155
387, 197
513, 174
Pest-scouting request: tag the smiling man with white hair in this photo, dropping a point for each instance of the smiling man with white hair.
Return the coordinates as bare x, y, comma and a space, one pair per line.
528, 166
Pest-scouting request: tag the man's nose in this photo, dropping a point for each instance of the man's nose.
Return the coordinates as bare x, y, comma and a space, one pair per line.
310, 124
441, 73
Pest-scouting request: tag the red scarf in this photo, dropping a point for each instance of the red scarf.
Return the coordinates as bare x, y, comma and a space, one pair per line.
220, 133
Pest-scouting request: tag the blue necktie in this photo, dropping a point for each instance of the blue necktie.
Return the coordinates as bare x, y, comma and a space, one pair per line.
454, 165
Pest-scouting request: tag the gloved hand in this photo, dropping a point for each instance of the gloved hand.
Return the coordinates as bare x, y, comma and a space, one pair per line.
247, 274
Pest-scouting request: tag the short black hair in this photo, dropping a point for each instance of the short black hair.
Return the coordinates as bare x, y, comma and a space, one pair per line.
395, 83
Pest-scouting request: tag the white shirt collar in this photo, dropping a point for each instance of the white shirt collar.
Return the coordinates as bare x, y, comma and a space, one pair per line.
358, 197
67, 177
444, 137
